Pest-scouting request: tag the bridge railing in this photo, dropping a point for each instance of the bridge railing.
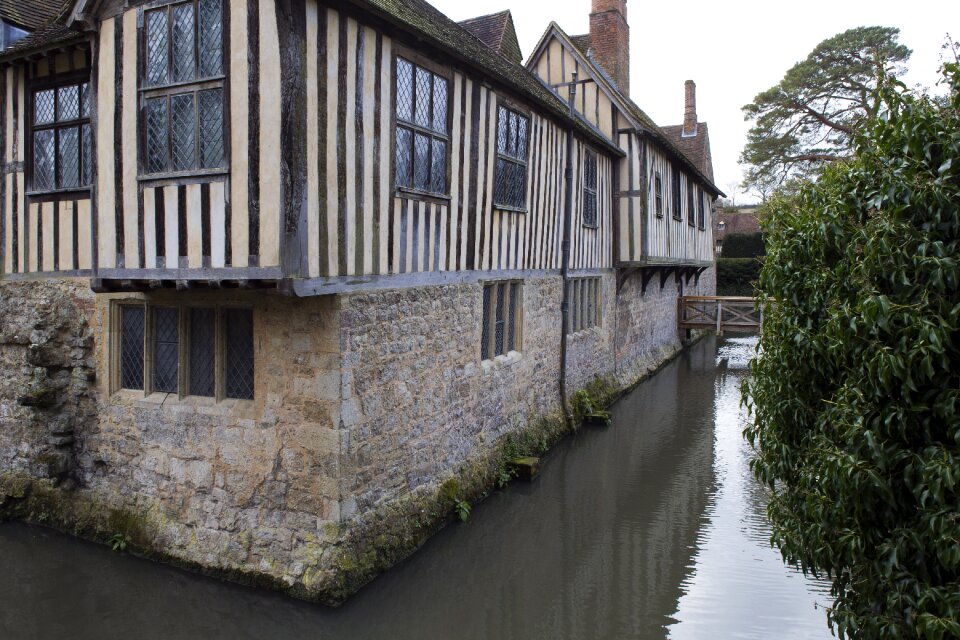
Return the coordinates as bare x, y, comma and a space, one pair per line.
721, 313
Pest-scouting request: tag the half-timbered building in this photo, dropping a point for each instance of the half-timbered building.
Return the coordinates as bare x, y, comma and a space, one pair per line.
277, 276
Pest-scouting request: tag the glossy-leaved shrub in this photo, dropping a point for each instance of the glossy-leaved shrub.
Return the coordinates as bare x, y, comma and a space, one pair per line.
855, 393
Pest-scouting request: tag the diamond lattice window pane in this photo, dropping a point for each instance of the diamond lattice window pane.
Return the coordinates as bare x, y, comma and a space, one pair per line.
184, 56
439, 105
404, 164
68, 155
68, 103
43, 107
500, 182
512, 141
239, 353
202, 351
438, 182
422, 92
43, 160
131, 347
404, 91
166, 349
183, 144
85, 99
502, 124
211, 38
87, 155
157, 123
211, 128
485, 332
157, 47
421, 162
522, 125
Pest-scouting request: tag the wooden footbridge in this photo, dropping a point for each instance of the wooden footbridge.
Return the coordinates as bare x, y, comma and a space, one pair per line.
720, 313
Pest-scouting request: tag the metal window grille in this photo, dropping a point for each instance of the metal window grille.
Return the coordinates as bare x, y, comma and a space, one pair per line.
502, 319
691, 212
510, 186
183, 113
422, 129
584, 304
203, 344
238, 353
166, 349
658, 194
590, 188
132, 326
61, 145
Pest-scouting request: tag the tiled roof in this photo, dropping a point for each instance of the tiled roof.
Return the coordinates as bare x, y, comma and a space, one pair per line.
696, 148
31, 14
497, 32
582, 44
434, 28
42, 39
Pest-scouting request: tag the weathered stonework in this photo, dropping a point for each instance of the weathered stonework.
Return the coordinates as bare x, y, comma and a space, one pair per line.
372, 412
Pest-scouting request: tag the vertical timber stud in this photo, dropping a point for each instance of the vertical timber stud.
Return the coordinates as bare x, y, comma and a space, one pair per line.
292, 32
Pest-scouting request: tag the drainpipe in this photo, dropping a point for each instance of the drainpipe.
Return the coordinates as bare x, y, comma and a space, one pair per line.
565, 259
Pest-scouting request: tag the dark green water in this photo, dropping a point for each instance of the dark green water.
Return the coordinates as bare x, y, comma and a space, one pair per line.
650, 529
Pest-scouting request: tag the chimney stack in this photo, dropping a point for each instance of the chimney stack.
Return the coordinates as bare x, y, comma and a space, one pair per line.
690, 109
610, 41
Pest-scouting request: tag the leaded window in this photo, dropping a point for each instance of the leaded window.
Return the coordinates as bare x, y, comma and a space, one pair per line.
62, 140
691, 210
677, 196
422, 132
590, 188
510, 188
502, 318
132, 329
183, 107
658, 193
191, 351
701, 216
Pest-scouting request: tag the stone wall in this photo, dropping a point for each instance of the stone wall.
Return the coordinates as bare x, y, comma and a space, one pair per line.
46, 390
365, 405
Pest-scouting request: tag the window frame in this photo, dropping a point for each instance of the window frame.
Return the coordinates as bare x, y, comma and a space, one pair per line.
677, 195
56, 82
172, 88
417, 60
701, 211
658, 194
505, 108
691, 205
588, 193
585, 304
513, 298
184, 386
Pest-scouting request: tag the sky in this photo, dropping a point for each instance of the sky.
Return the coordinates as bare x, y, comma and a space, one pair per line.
732, 50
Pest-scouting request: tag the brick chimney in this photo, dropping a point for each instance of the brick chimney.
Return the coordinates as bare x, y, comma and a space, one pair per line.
610, 41
690, 109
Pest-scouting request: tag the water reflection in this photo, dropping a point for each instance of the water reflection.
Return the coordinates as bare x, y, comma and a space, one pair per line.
650, 529
719, 594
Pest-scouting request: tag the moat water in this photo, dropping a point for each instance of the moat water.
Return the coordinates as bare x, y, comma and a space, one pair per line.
649, 529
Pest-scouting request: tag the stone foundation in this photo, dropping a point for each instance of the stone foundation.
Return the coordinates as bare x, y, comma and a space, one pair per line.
372, 413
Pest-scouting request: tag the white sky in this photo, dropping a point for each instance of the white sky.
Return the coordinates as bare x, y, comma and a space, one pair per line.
732, 50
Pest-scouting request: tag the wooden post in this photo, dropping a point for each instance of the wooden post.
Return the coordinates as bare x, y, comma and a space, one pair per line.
719, 315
